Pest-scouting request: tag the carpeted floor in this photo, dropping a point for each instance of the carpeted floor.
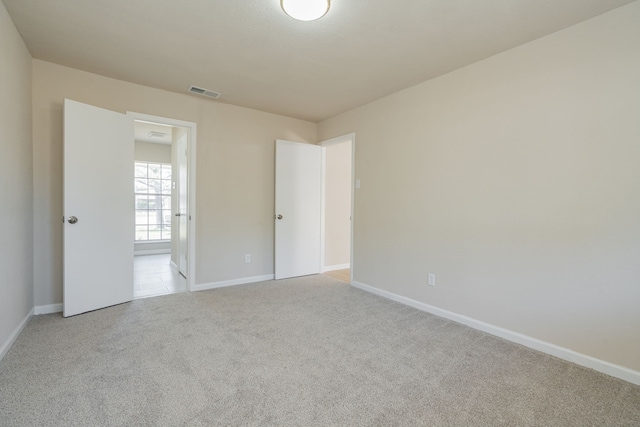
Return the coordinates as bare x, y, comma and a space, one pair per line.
300, 352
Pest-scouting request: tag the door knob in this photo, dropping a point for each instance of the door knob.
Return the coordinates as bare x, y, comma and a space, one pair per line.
73, 220
178, 214
279, 217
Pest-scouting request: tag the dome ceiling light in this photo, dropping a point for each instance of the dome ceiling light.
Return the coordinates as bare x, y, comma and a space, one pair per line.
305, 10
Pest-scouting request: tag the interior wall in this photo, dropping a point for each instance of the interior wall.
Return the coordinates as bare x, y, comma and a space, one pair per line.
234, 167
516, 181
152, 152
337, 229
16, 192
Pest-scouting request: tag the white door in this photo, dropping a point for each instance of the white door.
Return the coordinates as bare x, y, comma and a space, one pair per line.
98, 208
182, 205
298, 209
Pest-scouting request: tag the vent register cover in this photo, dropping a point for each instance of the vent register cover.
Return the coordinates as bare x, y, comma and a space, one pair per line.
204, 92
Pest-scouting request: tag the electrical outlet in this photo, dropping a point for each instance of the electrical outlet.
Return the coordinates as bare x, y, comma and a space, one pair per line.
431, 279
247, 258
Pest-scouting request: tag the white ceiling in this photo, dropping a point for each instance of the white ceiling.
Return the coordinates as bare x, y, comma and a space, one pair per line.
258, 57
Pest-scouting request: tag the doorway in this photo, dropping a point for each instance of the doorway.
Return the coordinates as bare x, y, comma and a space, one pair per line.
313, 207
164, 259
337, 207
99, 205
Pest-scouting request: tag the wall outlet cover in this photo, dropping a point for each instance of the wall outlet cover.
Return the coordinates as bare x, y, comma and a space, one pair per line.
431, 279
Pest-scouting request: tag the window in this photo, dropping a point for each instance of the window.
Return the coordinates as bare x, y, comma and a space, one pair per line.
153, 201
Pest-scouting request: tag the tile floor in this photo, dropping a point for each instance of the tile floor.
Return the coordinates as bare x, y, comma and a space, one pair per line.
154, 275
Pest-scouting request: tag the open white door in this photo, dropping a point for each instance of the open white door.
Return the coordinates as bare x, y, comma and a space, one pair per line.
298, 209
182, 213
98, 208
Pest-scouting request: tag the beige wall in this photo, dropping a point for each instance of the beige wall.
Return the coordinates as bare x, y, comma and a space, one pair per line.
337, 249
235, 170
152, 152
144, 248
16, 193
516, 180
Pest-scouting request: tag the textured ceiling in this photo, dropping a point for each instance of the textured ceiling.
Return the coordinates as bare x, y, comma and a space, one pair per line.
258, 57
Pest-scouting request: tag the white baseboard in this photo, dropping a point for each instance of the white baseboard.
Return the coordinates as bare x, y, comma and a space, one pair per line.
225, 283
47, 309
563, 353
4, 349
152, 252
336, 267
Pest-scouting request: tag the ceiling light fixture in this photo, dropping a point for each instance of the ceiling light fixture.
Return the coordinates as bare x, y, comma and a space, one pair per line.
305, 10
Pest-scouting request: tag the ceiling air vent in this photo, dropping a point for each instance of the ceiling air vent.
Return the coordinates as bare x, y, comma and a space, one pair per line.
155, 134
204, 92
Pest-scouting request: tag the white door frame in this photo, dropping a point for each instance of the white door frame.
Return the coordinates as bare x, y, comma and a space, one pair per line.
333, 141
182, 159
191, 186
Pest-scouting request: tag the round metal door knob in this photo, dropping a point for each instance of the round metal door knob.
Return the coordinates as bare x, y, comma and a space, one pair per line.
279, 216
72, 220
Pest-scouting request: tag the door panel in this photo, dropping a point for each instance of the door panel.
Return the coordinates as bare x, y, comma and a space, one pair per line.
98, 191
182, 205
298, 205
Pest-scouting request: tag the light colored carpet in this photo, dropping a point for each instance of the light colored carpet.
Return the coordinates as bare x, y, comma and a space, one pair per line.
301, 352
